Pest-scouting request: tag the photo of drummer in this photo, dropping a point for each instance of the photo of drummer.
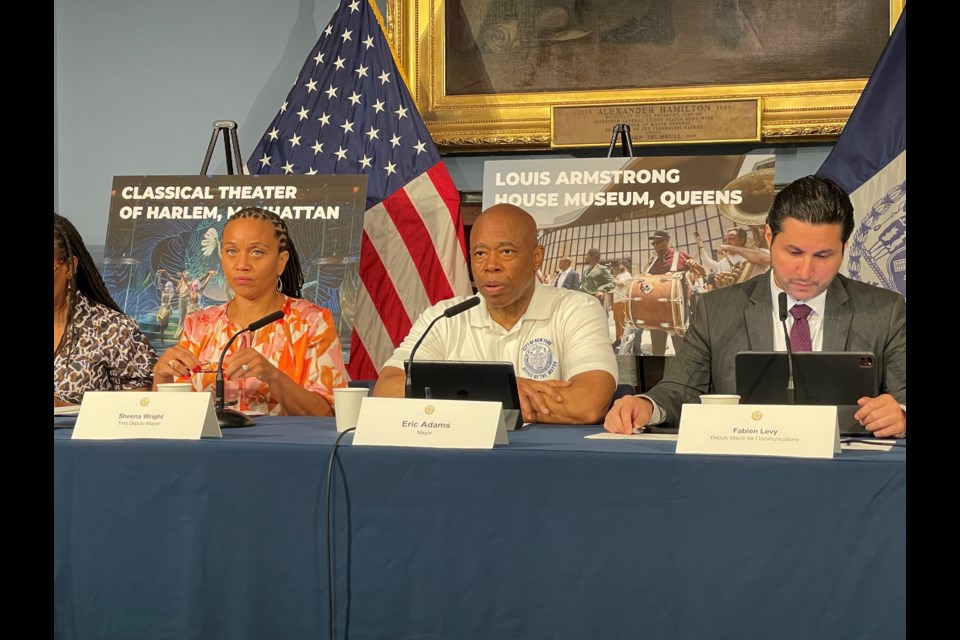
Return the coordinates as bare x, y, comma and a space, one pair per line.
666, 259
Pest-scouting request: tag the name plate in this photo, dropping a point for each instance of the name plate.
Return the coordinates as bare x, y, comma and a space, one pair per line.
442, 424
729, 120
791, 431
123, 415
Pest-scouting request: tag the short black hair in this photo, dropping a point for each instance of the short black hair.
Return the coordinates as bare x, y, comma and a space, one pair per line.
813, 200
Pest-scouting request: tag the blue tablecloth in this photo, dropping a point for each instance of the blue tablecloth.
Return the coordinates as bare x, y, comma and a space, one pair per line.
552, 537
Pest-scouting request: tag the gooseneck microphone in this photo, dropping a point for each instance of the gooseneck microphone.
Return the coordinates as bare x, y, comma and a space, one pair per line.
231, 418
449, 312
783, 321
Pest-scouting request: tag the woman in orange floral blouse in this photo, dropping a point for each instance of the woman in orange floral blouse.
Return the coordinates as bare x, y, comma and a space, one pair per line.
288, 367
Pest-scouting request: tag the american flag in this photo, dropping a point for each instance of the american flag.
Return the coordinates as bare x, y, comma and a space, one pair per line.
350, 112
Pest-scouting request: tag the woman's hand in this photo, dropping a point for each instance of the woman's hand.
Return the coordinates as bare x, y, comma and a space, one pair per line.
176, 362
249, 363
295, 399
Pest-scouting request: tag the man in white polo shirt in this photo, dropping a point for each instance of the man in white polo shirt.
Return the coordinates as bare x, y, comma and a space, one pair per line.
557, 339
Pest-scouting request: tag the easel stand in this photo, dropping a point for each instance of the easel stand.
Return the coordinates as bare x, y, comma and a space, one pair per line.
621, 132
631, 367
229, 129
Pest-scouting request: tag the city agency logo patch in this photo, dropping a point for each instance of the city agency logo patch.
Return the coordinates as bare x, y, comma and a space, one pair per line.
538, 360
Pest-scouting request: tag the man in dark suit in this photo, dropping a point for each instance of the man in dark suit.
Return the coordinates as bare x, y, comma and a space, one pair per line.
807, 230
566, 277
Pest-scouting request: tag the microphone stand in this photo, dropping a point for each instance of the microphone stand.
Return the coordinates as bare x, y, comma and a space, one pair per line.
228, 418
408, 386
449, 312
231, 418
791, 399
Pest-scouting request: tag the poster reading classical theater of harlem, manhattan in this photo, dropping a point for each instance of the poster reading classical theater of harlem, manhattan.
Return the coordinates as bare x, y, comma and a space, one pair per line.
162, 253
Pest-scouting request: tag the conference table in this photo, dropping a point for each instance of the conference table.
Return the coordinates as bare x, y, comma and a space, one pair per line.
553, 536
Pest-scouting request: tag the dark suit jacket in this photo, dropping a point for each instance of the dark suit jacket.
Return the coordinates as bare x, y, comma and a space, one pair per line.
572, 281
857, 317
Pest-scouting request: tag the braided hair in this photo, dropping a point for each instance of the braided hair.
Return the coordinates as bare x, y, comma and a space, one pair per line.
291, 280
85, 278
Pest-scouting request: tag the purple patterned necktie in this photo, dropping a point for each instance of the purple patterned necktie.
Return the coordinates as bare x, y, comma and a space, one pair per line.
800, 332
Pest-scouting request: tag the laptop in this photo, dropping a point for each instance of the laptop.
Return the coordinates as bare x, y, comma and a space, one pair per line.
462, 380
819, 378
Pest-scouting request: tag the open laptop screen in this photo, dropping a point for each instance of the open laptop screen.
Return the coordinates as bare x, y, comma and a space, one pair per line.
819, 378
463, 380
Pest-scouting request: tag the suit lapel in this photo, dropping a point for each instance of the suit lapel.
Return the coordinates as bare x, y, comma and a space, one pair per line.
837, 317
758, 316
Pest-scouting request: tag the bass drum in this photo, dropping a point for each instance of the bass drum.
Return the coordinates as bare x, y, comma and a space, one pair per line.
659, 302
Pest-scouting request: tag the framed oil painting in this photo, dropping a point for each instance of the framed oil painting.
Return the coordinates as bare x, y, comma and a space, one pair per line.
487, 74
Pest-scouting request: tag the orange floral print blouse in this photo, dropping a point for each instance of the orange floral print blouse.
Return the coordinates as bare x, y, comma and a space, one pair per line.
303, 344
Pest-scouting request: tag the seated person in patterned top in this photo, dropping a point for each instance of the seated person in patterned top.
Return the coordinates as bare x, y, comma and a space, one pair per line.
288, 367
557, 339
96, 347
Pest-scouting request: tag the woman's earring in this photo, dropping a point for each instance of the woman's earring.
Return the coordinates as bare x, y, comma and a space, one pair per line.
279, 285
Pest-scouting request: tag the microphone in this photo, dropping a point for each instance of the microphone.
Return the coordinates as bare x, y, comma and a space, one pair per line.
262, 322
231, 418
783, 321
449, 312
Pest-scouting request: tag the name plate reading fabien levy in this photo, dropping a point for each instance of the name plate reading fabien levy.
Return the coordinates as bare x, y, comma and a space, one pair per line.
790, 431
442, 424
734, 120
123, 415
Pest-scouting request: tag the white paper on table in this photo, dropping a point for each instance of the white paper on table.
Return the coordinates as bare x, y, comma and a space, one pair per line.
606, 435
865, 445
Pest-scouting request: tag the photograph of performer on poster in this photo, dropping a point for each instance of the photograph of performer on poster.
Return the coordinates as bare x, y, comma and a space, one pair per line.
647, 235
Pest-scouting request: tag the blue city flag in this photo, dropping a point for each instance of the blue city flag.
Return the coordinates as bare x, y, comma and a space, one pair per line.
869, 162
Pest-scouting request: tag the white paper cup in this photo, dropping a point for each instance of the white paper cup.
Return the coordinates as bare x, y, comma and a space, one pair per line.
719, 398
346, 405
175, 387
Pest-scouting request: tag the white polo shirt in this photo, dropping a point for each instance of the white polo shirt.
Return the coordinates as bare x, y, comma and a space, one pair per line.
563, 333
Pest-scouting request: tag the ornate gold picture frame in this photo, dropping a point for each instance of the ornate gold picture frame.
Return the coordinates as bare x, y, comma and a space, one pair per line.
489, 74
